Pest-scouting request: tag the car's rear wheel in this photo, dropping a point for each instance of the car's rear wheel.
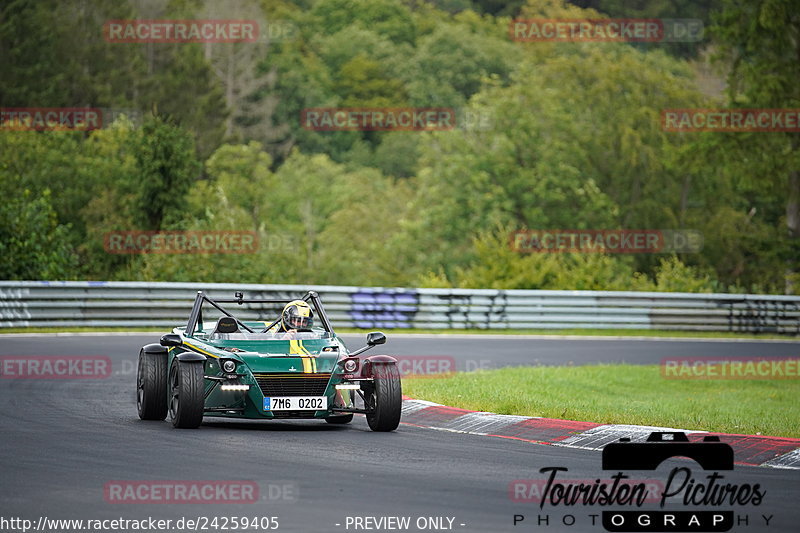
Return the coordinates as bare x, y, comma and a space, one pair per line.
340, 419
151, 386
186, 399
385, 399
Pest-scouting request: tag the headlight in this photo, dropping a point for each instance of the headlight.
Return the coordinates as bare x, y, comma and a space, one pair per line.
235, 386
350, 365
228, 365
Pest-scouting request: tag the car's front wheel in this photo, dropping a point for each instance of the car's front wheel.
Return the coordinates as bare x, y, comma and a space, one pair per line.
186, 399
385, 400
151, 386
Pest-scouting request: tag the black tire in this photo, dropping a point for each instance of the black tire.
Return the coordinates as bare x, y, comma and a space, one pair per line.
340, 419
385, 400
186, 398
151, 386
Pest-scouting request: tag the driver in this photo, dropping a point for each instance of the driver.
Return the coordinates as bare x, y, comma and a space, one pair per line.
297, 316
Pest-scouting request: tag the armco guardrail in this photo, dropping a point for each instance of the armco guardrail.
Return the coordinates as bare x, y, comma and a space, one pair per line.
94, 304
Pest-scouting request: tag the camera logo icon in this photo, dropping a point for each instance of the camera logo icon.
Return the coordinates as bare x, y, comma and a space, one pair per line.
711, 454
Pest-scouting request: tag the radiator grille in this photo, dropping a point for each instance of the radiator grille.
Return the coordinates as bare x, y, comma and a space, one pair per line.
293, 384
293, 414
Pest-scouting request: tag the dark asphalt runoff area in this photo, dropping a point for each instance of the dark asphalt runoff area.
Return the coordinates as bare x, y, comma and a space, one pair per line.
67, 442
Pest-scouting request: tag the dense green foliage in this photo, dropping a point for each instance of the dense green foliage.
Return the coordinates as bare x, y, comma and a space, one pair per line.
550, 135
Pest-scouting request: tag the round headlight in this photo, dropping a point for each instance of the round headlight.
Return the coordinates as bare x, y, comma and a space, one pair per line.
228, 365
350, 365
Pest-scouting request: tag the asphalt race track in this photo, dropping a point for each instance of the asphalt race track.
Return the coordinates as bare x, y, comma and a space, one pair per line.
65, 441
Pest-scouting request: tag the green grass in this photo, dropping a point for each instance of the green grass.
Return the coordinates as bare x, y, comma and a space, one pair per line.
621, 394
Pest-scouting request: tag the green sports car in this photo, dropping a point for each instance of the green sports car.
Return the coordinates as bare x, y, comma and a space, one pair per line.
290, 368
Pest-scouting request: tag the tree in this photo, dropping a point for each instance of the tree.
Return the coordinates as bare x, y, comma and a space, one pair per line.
451, 64
38, 42
759, 40
575, 142
316, 221
166, 167
32, 242
385, 17
659, 9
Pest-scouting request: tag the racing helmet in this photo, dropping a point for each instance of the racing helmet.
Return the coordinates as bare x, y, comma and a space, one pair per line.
297, 315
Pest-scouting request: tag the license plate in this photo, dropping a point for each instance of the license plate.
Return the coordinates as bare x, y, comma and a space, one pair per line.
296, 403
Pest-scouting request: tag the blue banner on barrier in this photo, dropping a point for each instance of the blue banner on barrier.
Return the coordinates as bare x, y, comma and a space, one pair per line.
384, 308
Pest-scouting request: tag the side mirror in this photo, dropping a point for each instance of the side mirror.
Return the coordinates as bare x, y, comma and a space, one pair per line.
171, 339
376, 337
